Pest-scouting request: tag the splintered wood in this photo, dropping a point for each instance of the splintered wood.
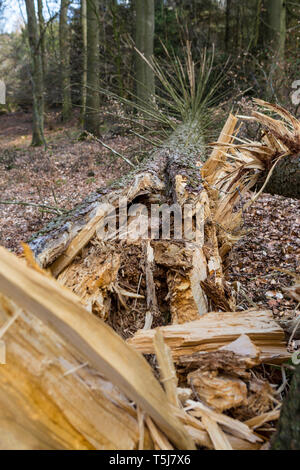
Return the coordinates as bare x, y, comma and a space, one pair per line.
216, 329
98, 344
73, 382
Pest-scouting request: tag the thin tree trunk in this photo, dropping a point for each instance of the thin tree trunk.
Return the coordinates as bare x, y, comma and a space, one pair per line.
84, 56
36, 76
65, 60
92, 95
257, 24
42, 36
145, 26
227, 29
288, 434
117, 39
276, 31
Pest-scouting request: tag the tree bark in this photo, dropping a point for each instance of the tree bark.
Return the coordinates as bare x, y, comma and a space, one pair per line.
65, 60
145, 26
285, 180
288, 433
92, 98
36, 76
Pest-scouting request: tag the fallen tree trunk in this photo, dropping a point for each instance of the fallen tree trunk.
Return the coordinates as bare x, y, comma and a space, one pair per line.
171, 176
163, 172
191, 270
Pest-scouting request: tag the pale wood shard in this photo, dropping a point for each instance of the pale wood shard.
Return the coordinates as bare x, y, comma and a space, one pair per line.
97, 342
216, 329
259, 421
152, 305
188, 300
199, 434
217, 378
166, 368
25, 426
244, 347
201, 438
218, 437
187, 267
141, 424
186, 296
220, 392
218, 154
159, 439
229, 425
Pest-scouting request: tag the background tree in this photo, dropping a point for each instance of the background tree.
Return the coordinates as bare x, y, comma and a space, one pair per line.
91, 122
84, 56
116, 21
42, 31
276, 27
2, 5
64, 47
288, 433
238, 30
145, 27
36, 75
227, 27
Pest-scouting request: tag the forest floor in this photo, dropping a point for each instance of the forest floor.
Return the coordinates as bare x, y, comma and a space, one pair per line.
70, 169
